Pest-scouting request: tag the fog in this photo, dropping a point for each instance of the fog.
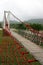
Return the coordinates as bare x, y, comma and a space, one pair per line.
23, 9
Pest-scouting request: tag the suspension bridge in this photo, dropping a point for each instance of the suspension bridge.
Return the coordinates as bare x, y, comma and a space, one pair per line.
21, 42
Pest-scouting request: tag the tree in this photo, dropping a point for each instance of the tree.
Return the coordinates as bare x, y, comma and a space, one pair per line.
37, 26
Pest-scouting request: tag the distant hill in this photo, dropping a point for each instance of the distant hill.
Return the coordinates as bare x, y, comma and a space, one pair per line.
40, 21
14, 22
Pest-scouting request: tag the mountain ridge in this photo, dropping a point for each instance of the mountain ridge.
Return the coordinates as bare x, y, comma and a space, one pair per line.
40, 21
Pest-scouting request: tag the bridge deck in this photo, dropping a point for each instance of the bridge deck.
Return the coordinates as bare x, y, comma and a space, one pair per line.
34, 49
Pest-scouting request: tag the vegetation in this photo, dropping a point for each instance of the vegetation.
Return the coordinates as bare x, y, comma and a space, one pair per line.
7, 54
18, 26
0, 25
22, 26
37, 26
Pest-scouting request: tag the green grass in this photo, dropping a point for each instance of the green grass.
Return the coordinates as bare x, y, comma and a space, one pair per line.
7, 45
1, 32
1, 36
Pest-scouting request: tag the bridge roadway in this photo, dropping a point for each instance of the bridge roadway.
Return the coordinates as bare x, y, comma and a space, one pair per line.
34, 49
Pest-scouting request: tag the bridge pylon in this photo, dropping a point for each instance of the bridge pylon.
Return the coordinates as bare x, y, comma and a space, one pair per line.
6, 23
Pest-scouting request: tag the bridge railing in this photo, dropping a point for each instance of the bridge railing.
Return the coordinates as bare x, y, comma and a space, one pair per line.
38, 39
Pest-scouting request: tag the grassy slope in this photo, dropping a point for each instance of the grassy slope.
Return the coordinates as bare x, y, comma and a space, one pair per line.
7, 45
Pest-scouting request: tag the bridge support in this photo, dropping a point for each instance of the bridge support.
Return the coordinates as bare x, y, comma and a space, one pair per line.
5, 33
6, 23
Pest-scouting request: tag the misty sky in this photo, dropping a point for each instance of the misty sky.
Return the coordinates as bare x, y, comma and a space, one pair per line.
23, 9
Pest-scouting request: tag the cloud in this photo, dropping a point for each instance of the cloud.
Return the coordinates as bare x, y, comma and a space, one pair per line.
24, 9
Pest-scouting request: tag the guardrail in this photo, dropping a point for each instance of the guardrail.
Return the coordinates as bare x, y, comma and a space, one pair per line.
38, 39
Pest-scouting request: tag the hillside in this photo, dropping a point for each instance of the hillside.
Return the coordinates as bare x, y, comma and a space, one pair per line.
14, 22
40, 21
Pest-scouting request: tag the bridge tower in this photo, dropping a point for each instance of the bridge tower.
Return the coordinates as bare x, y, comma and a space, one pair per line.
6, 23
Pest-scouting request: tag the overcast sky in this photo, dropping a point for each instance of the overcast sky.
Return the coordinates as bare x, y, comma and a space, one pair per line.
23, 9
